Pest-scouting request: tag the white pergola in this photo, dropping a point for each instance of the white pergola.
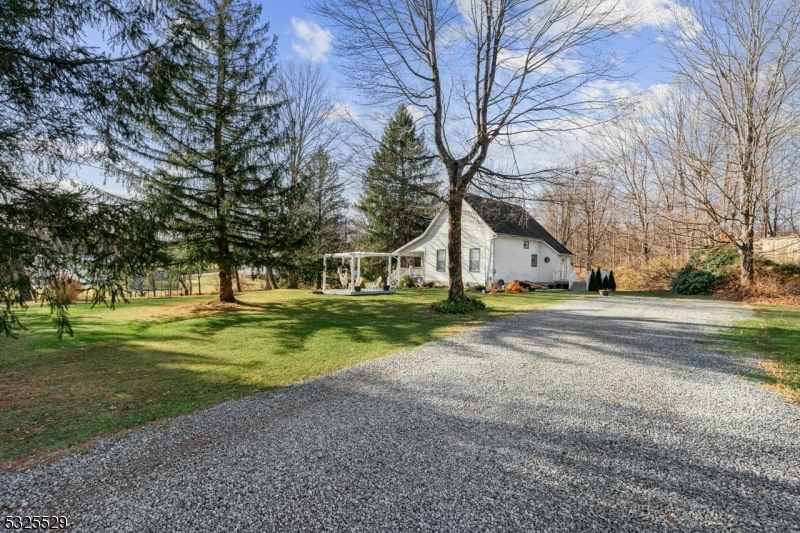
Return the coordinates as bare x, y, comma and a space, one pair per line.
355, 273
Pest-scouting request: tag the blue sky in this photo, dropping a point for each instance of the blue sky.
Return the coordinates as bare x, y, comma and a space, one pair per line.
279, 13
303, 37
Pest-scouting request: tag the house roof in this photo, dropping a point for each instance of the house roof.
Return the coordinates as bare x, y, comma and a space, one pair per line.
508, 219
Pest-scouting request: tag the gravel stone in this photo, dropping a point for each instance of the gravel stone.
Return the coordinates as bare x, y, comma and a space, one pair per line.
605, 414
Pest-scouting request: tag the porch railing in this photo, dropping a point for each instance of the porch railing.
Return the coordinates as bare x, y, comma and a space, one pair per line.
416, 273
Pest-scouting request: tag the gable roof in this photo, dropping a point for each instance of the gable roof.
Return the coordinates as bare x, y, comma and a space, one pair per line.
508, 219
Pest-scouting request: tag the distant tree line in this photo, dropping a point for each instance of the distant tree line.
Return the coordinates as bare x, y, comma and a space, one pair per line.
708, 161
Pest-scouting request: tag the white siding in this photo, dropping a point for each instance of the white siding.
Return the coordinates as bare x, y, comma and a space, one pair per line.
513, 261
502, 257
474, 234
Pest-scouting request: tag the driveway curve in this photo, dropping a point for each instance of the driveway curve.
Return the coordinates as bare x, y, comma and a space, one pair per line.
615, 414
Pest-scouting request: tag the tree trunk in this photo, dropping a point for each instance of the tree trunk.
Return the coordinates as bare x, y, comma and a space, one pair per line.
292, 280
746, 254
238, 283
199, 288
269, 280
226, 285
319, 280
454, 207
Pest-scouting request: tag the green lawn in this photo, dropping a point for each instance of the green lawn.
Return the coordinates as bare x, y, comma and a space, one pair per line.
774, 335
152, 359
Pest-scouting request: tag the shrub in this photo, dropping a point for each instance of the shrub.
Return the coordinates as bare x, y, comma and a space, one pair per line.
479, 288
716, 260
606, 284
467, 305
66, 289
692, 281
612, 283
428, 284
592, 285
707, 271
786, 270
406, 282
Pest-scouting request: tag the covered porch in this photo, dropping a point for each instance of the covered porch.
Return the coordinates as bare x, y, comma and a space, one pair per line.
349, 272
409, 263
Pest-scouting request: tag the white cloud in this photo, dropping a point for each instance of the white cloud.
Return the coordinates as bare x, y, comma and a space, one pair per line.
661, 14
342, 112
312, 42
416, 113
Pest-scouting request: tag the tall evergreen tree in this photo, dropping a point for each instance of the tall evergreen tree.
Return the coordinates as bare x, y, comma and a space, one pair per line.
399, 188
59, 96
205, 158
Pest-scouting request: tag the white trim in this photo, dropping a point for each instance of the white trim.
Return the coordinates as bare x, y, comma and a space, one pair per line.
409, 243
345, 255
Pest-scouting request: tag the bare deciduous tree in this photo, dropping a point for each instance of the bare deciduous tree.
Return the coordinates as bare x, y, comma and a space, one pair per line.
482, 71
741, 58
307, 115
307, 119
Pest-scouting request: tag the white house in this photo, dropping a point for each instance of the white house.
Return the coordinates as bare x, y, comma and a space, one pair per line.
500, 242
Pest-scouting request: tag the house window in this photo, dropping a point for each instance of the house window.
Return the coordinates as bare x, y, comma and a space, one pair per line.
546, 259
441, 259
534, 260
474, 259
525, 244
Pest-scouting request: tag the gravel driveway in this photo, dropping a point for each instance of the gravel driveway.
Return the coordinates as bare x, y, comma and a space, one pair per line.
598, 414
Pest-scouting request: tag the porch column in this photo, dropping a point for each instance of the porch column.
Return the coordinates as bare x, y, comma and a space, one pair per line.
389, 279
324, 272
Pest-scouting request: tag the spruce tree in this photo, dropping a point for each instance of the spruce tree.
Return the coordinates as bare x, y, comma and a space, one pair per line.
205, 158
598, 276
59, 96
612, 283
606, 285
398, 191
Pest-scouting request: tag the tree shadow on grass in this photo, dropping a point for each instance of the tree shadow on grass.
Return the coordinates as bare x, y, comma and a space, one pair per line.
114, 376
90, 393
394, 453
